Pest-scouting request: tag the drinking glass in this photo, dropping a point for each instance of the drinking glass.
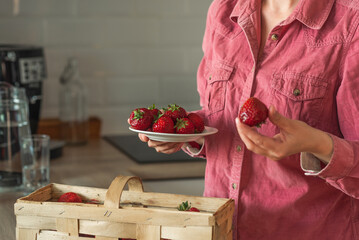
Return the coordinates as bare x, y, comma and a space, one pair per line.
35, 157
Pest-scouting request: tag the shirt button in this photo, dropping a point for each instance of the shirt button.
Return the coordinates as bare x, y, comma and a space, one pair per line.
274, 37
234, 186
210, 77
296, 92
239, 148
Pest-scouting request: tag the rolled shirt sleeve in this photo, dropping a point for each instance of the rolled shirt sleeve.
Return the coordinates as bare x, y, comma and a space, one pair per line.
342, 171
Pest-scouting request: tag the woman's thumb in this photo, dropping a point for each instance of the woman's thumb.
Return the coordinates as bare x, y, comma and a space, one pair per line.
276, 118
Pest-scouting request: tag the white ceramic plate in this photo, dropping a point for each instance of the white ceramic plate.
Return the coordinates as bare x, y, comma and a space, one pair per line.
172, 137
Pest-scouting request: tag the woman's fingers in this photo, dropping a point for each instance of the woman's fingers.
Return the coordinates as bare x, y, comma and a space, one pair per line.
143, 137
165, 147
251, 145
259, 143
171, 148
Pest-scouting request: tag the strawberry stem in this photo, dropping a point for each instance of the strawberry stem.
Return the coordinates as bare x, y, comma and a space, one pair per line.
138, 114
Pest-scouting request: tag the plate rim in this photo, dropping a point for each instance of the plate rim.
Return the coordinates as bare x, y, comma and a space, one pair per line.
213, 131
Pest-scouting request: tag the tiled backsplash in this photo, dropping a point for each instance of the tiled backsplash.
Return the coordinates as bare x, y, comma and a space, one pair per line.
131, 52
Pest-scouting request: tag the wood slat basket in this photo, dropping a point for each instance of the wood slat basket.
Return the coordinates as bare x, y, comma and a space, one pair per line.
122, 211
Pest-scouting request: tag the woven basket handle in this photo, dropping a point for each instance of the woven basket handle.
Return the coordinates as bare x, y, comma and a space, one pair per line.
114, 192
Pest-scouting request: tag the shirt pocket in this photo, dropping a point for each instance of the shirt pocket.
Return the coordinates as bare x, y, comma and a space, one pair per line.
218, 74
299, 96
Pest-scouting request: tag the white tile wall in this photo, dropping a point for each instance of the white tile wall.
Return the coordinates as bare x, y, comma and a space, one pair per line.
48, 8
131, 53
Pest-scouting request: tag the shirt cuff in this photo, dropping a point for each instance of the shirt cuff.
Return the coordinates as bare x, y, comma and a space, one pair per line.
339, 166
194, 152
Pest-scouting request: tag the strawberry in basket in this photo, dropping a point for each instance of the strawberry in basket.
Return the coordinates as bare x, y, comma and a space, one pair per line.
70, 197
185, 206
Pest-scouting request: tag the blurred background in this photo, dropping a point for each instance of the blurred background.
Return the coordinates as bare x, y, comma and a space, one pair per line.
131, 53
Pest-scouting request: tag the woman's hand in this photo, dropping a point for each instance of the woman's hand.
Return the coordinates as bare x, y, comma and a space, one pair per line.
294, 137
163, 147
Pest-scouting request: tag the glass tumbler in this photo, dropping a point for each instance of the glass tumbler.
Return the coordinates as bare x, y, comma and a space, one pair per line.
35, 157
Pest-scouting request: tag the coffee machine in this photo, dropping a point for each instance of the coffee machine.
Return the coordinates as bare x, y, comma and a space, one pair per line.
25, 66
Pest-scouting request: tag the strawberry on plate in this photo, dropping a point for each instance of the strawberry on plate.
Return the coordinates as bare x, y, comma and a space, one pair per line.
70, 197
141, 119
197, 122
155, 111
164, 124
175, 111
184, 126
253, 112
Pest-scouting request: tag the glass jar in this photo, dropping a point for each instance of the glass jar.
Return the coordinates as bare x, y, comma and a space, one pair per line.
14, 125
73, 105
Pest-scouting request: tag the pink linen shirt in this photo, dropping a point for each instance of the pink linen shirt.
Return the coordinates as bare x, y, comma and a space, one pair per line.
309, 71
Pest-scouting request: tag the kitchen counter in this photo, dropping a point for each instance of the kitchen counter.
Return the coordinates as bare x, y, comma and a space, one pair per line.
95, 164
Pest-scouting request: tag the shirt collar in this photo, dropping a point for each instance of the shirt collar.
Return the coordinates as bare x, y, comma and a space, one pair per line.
312, 13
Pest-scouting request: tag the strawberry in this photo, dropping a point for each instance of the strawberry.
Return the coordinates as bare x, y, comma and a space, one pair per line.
194, 145
86, 235
185, 206
155, 111
253, 112
93, 201
163, 124
193, 209
184, 126
70, 197
197, 121
175, 111
141, 118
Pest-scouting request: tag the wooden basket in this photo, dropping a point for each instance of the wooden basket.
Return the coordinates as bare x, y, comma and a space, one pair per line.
120, 213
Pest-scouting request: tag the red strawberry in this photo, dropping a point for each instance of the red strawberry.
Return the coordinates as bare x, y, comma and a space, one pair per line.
93, 201
155, 111
163, 124
70, 197
184, 126
197, 121
86, 235
175, 111
185, 206
193, 209
141, 118
253, 112
195, 145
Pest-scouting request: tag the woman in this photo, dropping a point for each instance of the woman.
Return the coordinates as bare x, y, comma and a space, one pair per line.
296, 177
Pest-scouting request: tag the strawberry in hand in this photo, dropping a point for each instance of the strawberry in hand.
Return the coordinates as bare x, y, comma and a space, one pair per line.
141, 119
253, 112
184, 126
